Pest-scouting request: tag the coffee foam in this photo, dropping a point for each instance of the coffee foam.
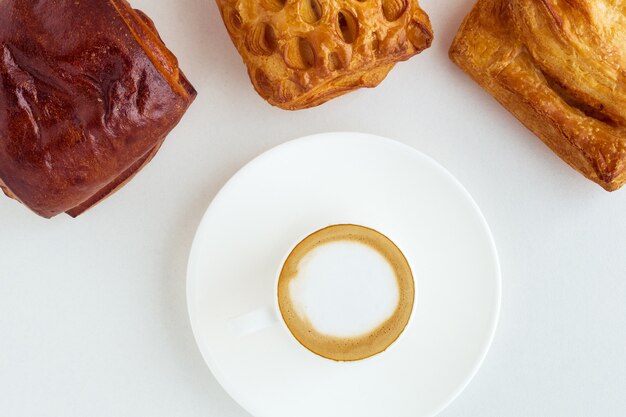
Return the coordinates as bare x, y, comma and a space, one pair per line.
333, 273
346, 266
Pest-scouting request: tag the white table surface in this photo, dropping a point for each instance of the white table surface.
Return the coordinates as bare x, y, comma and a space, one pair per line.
93, 320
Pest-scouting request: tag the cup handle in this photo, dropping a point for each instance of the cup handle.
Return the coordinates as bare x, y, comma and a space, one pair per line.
253, 321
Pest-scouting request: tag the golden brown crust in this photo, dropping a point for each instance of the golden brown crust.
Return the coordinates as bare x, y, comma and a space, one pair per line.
88, 92
557, 66
302, 53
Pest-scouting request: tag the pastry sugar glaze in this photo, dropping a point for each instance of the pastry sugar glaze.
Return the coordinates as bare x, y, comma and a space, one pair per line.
558, 66
387, 313
302, 53
88, 92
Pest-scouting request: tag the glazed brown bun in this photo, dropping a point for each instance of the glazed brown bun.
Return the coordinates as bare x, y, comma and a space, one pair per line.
88, 92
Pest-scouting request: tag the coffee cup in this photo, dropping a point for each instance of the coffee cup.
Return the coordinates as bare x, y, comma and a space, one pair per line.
345, 292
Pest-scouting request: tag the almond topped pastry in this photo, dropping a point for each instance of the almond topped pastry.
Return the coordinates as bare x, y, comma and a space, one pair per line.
302, 53
88, 92
560, 67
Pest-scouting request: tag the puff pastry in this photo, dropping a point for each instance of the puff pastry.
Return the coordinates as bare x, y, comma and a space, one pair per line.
88, 92
560, 67
302, 53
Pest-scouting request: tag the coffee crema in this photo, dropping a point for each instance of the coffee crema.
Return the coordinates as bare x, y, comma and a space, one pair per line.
346, 347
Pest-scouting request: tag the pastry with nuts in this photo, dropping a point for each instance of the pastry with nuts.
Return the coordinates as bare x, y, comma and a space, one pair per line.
302, 53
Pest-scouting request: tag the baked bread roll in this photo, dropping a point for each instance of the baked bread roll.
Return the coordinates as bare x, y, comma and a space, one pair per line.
560, 67
88, 92
302, 53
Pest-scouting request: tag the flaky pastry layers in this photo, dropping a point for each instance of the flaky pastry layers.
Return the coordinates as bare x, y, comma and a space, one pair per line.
560, 67
88, 92
302, 53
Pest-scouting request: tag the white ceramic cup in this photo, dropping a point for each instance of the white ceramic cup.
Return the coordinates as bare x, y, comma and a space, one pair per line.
343, 288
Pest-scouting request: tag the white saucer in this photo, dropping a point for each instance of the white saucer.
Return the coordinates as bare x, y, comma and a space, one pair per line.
305, 185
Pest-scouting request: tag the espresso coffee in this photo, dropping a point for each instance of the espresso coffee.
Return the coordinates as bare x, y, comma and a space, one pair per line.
346, 292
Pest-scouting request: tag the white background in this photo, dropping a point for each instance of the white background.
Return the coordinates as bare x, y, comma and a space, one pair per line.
93, 319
